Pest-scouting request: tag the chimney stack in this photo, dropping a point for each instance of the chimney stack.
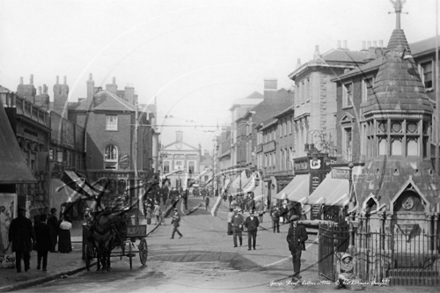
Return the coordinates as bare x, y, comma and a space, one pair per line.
32, 79
21, 80
113, 87
316, 55
270, 84
298, 63
381, 43
90, 87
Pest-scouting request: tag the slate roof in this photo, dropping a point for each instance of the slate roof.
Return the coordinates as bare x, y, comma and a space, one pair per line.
273, 103
106, 101
398, 86
384, 177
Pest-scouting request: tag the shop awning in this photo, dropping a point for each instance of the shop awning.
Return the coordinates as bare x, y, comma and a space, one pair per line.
80, 185
296, 190
14, 169
332, 190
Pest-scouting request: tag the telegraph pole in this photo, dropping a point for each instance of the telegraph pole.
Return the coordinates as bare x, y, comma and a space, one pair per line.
437, 98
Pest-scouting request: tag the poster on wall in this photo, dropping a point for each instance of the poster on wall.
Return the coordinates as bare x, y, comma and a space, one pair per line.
8, 207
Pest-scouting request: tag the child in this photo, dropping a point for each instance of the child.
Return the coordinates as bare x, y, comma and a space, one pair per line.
345, 268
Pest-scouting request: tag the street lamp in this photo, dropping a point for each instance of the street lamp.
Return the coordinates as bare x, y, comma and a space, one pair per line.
350, 182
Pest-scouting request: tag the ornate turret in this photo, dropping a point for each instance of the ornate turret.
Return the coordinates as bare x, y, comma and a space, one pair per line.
396, 136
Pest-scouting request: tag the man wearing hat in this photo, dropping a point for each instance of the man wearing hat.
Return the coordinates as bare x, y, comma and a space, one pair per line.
22, 235
176, 221
237, 226
252, 223
296, 238
52, 222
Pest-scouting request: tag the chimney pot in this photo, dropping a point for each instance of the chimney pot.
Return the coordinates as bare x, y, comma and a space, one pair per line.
58, 79
90, 76
32, 79
65, 80
21, 80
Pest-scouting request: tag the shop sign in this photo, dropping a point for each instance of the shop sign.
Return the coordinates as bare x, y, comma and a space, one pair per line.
124, 161
300, 166
269, 147
316, 180
340, 173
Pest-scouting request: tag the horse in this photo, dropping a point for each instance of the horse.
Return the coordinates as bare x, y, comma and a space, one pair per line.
108, 231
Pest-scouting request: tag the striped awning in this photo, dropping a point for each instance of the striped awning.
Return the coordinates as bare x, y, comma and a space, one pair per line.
296, 190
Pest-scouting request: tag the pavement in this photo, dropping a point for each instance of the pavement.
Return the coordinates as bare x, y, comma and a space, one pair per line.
60, 265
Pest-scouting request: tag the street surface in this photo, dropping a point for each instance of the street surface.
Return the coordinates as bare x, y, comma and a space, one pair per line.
204, 260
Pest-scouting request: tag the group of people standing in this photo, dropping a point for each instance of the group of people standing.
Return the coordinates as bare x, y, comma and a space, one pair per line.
43, 236
237, 224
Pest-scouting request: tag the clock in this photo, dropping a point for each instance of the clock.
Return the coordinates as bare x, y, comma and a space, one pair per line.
179, 145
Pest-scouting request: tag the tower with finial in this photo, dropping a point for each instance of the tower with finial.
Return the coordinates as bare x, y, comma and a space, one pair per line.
398, 177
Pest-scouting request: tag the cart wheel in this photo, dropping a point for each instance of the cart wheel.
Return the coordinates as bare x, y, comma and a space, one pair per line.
88, 255
130, 255
143, 251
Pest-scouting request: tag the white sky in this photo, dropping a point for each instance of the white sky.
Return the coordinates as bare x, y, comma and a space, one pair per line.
196, 57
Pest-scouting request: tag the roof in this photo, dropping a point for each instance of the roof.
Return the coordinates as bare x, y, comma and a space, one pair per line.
424, 46
273, 103
106, 101
340, 58
251, 100
14, 168
268, 123
398, 86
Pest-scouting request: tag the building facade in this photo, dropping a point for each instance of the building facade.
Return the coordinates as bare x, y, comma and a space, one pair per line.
119, 137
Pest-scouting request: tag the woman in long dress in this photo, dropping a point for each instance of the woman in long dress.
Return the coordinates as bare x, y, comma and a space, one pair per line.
64, 241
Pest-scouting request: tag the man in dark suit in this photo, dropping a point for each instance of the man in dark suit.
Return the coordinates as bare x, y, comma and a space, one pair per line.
252, 223
54, 225
21, 234
42, 235
237, 226
296, 238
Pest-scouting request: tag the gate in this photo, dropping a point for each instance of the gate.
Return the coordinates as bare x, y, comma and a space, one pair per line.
332, 239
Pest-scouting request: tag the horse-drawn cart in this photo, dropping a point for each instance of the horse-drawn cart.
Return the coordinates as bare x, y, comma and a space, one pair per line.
121, 246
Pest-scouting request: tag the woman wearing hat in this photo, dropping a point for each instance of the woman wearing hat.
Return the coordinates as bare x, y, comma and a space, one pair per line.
296, 238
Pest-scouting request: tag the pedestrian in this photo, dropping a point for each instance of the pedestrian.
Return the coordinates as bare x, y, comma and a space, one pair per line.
64, 240
185, 198
230, 215
296, 238
52, 222
284, 212
260, 210
157, 212
176, 224
251, 223
275, 214
207, 202
148, 214
237, 226
43, 241
22, 236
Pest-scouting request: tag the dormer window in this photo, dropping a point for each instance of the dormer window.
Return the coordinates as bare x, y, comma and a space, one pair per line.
426, 74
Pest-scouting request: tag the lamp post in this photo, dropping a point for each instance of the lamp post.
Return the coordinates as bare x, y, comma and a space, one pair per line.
350, 182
